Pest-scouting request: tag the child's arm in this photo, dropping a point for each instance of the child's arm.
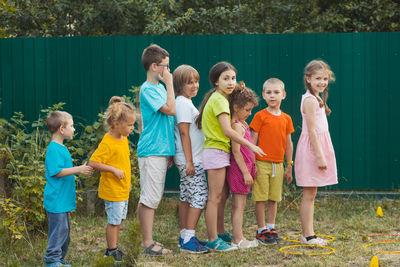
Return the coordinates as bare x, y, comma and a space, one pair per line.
234, 136
83, 169
107, 168
254, 137
309, 109
169, 107
187, 146
248, 179
289, 157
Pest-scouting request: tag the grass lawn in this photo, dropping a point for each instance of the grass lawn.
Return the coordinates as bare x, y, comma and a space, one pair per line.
350, 222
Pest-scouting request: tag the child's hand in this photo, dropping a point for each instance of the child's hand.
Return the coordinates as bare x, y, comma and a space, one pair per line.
166, 76
85, 169
257, 150
190, 168
119, 173
248, 180
322, 163
288, 174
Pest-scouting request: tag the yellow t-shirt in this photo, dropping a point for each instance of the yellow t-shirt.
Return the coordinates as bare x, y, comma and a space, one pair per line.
114, 152
215, 137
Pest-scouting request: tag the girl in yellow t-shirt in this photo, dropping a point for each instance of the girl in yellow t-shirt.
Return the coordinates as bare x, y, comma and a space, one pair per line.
111, 158
214, 119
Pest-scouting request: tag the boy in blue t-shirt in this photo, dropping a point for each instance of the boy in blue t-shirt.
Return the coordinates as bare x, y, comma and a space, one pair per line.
156, 144
59, 192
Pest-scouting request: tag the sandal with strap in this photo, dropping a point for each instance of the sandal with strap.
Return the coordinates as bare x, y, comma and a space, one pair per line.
149, 250
251, 244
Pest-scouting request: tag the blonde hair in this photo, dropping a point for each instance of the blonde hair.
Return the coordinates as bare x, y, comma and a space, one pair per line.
118, 111
309, 70
56, 119
183, 75
273, 81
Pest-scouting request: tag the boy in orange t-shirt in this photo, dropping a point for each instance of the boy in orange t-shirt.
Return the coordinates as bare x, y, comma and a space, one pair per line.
272, 129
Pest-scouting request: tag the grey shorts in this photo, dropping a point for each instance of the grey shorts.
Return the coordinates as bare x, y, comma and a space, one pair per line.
193, 189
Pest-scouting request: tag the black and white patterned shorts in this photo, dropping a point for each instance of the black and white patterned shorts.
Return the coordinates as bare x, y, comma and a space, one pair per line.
193, 189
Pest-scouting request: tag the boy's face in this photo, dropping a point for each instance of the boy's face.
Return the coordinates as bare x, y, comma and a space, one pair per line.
67, 130
191, 88
274, 94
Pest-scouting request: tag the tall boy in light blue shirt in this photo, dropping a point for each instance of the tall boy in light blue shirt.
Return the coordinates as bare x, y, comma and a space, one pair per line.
156, 144
59, 192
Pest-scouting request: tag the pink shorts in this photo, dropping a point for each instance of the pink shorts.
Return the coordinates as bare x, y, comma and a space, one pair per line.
215, 159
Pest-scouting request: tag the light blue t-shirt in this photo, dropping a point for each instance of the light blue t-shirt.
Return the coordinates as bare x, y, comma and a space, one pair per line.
157, 137
59, 192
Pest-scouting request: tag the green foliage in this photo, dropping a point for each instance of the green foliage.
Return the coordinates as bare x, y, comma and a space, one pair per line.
133, 237
135, 17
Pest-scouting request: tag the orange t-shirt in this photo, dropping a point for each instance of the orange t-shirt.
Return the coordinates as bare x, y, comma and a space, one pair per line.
272, 131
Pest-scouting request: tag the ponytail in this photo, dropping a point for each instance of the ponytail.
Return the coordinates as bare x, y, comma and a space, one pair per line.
203, 104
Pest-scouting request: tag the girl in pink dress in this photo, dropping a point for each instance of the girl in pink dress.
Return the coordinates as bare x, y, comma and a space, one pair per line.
315, 157
242, 169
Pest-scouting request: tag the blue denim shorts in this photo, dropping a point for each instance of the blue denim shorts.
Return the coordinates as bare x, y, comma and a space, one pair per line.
116, 211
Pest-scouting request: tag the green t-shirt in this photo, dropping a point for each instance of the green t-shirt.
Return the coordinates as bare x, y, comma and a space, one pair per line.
215, 137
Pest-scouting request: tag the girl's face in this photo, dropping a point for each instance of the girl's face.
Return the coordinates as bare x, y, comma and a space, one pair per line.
191, 88
226, 82
244, 112
126, 127
318, 80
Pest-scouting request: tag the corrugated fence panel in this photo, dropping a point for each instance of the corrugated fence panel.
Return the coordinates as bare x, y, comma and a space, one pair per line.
84, 72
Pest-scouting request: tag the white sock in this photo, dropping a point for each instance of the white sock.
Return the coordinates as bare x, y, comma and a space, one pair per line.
270, 226
183, 231
188, 235
261, 229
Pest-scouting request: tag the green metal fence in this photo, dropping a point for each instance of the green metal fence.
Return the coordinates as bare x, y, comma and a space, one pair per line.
85, 72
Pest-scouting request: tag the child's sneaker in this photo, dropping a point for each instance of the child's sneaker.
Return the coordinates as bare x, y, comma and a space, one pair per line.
265, 237
56, 264
203, 243
274, 235
117, 254
219, 245
312, 240
226, 237
193, 246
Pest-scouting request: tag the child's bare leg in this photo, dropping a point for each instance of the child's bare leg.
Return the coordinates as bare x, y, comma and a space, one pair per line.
260, 213
216, 181
193, 216
238, 206
112, 232
146, 219
221, 210
307, 210
272, 207
183, 214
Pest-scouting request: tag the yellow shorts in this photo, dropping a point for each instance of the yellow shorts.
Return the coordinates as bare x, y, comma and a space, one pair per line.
268, 184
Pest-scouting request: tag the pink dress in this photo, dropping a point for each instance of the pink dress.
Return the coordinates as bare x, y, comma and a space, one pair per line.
234, 176
306, 168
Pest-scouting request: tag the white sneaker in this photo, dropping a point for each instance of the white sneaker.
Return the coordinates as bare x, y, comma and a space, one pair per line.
251, 244
314, 241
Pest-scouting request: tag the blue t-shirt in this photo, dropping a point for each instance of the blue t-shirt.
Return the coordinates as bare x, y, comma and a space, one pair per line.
59, 192
157, 137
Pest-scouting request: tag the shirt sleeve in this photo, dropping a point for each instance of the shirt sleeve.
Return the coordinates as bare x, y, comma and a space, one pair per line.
256, 123
154, 98
54, 161
220, 106
101, 154
183, 112
289, 126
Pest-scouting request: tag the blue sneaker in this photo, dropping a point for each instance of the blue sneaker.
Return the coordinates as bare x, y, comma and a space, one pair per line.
219, 245
203, 243
193, 246
56, 264
226, 237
